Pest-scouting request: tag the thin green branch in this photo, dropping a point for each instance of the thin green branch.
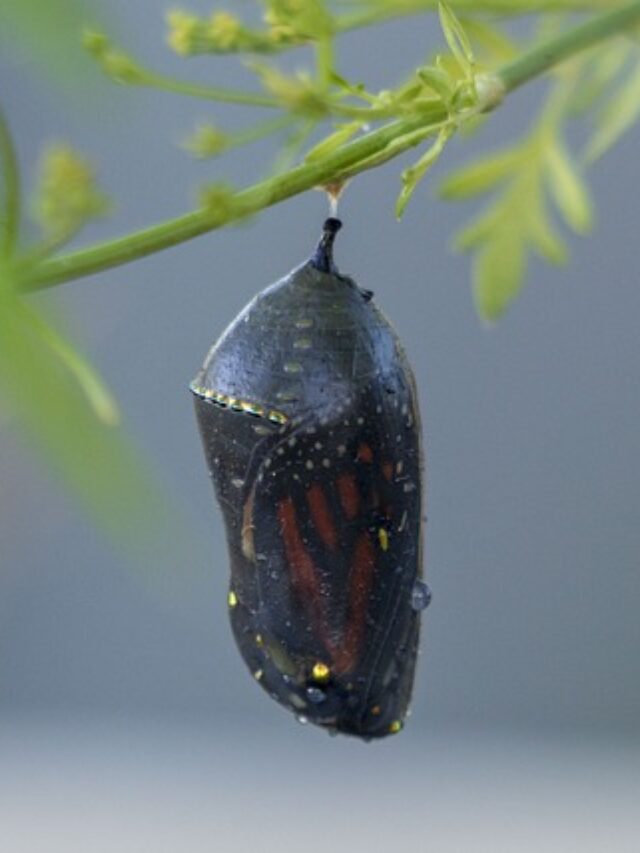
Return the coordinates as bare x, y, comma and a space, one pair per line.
11, 185
540, 59
369, 150
325, 61
265, 128
324, 53
208, 141
207, 93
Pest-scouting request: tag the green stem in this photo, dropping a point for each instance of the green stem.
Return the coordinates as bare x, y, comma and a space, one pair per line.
265, 128
364, 113
540, 59
207, 93
250, 201
11, 182
369, 150
324, 61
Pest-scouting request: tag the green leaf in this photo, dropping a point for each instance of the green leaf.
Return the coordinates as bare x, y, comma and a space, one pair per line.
473, 125
411, 177
358, 90
332, 142
568, 189
498, 274
90, 383
601, 72
10, 191
533, 219
492, 40
438, 80
621, 112
45, 393
544, 239
481, 176
477, 231
456, 37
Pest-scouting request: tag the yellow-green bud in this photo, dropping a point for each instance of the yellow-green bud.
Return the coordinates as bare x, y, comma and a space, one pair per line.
67, 196
183, 29
207, 141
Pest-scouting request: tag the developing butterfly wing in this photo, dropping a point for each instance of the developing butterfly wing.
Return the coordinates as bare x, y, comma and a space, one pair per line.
336, 540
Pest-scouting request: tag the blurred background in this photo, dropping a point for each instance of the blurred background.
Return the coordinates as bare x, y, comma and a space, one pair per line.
127, 719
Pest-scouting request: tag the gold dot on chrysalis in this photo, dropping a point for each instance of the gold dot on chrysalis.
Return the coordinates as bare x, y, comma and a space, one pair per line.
383, 539
258, 674
259, 640
232, 599
320, 672
395, 727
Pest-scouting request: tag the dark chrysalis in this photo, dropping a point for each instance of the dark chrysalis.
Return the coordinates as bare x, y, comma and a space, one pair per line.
309, 419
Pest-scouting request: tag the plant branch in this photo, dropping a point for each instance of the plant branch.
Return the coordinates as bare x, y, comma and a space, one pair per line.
250, 201
207, 93
368, 151
540, 59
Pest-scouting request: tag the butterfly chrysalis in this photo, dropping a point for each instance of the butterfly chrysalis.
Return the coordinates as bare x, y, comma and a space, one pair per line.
309, 419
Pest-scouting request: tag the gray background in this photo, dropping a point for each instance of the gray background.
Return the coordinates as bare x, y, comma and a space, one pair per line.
120, 688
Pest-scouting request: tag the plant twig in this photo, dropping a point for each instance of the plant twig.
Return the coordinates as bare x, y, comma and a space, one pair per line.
356, 156
546, 56
205, 92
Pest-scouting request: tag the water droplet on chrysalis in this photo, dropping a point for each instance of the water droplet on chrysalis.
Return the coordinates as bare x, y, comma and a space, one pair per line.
315, 695
420, 596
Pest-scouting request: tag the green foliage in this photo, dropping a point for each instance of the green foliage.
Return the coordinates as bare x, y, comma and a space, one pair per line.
49, 392
621, 111
411, 177
523, 180
480, 176
457, 39
567, 188
46, 386
288, 23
